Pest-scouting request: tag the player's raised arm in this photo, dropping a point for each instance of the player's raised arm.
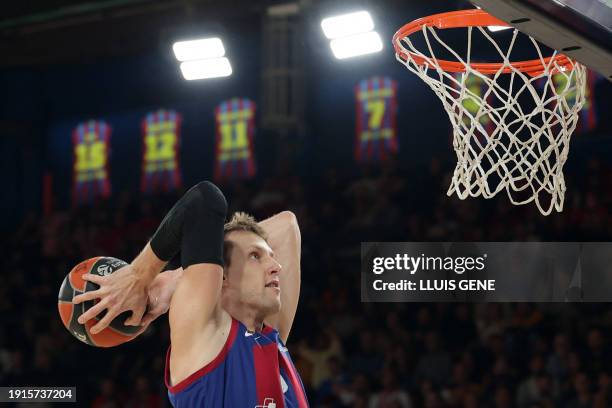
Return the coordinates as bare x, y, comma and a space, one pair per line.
194, 226
285, 240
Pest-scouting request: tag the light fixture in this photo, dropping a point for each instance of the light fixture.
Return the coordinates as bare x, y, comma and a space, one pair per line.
358, 44
206, 68
198, 49
347, 24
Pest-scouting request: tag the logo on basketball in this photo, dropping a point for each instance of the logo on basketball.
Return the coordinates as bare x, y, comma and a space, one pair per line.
117, 263
80, 336
104, 270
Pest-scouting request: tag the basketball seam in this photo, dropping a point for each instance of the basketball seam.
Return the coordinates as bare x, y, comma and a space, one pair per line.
67, 325
85, 325
119, 332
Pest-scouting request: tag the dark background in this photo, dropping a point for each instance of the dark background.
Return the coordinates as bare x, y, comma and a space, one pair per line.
60, 67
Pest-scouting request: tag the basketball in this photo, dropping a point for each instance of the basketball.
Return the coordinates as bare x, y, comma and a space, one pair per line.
116, 333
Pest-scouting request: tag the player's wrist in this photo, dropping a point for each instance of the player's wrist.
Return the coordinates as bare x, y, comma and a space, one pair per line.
176, 274
147, 265
173, 279
169, 278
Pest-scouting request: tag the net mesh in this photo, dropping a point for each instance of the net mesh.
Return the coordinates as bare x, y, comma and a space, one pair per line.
511, 130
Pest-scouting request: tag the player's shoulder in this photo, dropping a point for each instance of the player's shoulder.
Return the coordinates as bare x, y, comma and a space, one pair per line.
223, 322
209, 347
212, 334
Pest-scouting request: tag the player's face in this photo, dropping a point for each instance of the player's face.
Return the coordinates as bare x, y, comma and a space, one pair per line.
252, 278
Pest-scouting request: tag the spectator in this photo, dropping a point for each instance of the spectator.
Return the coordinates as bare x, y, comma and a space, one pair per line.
108, 397
558, 361
142, 397
583, 397
335, 388
535, 387
435, 363
390, 396
502, 398
597, 356
324, 346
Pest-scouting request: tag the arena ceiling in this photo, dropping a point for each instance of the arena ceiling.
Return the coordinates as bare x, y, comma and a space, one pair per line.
61, 31
44, 32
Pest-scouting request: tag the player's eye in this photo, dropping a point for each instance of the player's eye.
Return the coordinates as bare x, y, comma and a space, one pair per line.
254, 255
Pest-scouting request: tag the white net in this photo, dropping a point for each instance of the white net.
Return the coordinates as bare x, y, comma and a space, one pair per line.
511, 130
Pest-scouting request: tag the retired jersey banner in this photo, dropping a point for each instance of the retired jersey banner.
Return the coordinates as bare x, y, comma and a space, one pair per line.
472, 100
587, 120
91, 143
235, 123
160, 157
376, 138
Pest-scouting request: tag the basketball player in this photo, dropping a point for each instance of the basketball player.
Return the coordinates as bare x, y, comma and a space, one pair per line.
227, 327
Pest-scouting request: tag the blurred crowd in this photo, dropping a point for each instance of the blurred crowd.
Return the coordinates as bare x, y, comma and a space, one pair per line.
349, 354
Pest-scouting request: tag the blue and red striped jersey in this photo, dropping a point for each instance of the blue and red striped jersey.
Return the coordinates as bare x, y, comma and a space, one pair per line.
253, 370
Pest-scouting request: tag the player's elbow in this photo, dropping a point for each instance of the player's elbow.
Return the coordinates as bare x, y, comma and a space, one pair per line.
291, 223
289, 218
210, 196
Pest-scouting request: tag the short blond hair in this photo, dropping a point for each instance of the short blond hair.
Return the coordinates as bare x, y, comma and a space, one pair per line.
240, 221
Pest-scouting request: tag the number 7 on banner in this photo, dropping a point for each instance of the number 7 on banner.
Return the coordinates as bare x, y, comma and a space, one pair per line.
376, 137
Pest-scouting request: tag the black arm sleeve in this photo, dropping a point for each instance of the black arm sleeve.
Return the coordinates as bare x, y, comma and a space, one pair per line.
173, 263
194, 226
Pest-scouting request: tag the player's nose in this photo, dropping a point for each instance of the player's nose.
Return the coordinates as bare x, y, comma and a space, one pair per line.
274, 267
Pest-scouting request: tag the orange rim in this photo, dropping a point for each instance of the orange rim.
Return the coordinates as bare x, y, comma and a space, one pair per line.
470, 18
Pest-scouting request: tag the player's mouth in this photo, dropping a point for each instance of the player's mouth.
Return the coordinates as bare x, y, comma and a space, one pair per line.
273, 284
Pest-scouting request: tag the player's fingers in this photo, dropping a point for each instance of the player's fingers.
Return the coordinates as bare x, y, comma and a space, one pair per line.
93, 278
92, 312
144, 328
102, 324
94, 294
147, 319
136, 317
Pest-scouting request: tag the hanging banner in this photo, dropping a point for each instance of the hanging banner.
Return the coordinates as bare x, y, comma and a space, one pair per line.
587, 120
376, 137
91, 141
160, 146
235, 133
475, 88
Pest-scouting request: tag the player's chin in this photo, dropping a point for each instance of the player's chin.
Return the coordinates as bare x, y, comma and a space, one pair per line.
272, 292
274, 304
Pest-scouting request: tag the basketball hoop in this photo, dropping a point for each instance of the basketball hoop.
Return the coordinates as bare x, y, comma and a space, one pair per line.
524, 146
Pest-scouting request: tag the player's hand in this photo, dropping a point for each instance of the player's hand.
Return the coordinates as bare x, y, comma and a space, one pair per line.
160, 294
121, 291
